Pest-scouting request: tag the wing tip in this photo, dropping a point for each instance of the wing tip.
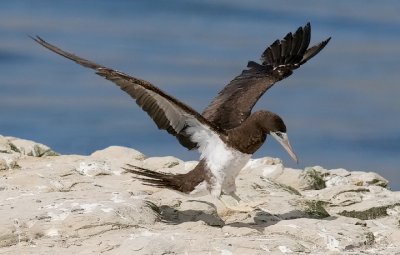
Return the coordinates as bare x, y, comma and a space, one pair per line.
36, 38
296, 51
39, 40
327, 40
308, 26
314, 50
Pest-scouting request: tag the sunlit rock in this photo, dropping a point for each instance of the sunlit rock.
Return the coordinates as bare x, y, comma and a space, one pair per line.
88, 204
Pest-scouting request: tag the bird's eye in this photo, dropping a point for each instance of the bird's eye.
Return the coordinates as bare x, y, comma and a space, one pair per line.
279, 134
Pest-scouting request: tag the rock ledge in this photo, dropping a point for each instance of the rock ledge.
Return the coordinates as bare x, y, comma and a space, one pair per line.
65, 204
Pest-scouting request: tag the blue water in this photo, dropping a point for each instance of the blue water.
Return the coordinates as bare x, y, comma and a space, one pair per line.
342, 108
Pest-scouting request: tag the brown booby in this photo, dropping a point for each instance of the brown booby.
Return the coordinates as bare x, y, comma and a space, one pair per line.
226, 134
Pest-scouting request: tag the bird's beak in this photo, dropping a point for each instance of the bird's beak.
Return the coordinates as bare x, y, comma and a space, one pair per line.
283, 139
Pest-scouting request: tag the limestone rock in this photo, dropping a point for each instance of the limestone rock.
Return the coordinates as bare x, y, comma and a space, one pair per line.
367, 179
93, 168
30, 148
5, 146
74, 204
269, 167
119, 153
161, 162
3, 165
312, 178
115, 158
9, 154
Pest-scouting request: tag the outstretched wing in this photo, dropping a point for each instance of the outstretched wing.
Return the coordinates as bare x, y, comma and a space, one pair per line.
167, 112
234, 103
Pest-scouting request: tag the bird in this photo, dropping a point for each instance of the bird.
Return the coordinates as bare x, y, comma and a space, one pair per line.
226, 133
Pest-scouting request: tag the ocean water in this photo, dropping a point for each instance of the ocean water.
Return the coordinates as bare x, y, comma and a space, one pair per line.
342, 108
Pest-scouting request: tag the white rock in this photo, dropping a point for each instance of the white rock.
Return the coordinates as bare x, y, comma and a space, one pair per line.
339, 172
5, 146
118, 157
74, 204
94, 168
155, 163
3, 165
119, 153
336, 181
259, 163
268, 167
30, 148
272, 171
367, 179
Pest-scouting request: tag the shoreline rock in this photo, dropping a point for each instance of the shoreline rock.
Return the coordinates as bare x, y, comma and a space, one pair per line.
65, 204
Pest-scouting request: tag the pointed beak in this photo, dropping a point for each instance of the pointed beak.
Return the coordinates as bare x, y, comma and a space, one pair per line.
283, 139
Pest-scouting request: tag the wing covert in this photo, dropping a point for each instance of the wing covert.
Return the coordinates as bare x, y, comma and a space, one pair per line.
235, 101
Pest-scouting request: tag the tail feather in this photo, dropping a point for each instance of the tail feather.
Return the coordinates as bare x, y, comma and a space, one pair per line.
184, 183
153, 178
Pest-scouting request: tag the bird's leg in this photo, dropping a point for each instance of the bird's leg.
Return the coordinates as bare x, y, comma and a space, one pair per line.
230, 200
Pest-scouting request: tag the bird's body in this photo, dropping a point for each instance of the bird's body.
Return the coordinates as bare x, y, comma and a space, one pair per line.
226, 134
222, 162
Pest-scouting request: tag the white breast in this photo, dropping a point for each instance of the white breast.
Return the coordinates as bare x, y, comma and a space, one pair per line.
224, 162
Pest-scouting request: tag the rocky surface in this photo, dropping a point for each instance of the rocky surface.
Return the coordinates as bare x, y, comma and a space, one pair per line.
72, 204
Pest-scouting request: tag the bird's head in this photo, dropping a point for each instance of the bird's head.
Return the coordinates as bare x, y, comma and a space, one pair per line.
273, 125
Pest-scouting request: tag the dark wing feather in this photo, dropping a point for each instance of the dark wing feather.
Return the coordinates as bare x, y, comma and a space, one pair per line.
167, 112
234, 103
314, 50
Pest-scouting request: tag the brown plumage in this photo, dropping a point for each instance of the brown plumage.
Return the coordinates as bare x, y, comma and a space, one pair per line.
225, 134
155, 102
234, 103
180, 182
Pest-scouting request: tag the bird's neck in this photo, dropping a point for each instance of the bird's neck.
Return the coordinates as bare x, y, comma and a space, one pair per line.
248, 137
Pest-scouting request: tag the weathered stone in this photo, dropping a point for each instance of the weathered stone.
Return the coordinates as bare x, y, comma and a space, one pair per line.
74, 204
313, 178
119, 153
5, 146
368, 179
315, 209
3, 165
93, 168
336, 180
371, 213
30, 148
157, 163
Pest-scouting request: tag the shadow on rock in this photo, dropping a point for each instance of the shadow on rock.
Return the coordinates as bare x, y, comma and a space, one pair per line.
264, 219
173, 216
258, 219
